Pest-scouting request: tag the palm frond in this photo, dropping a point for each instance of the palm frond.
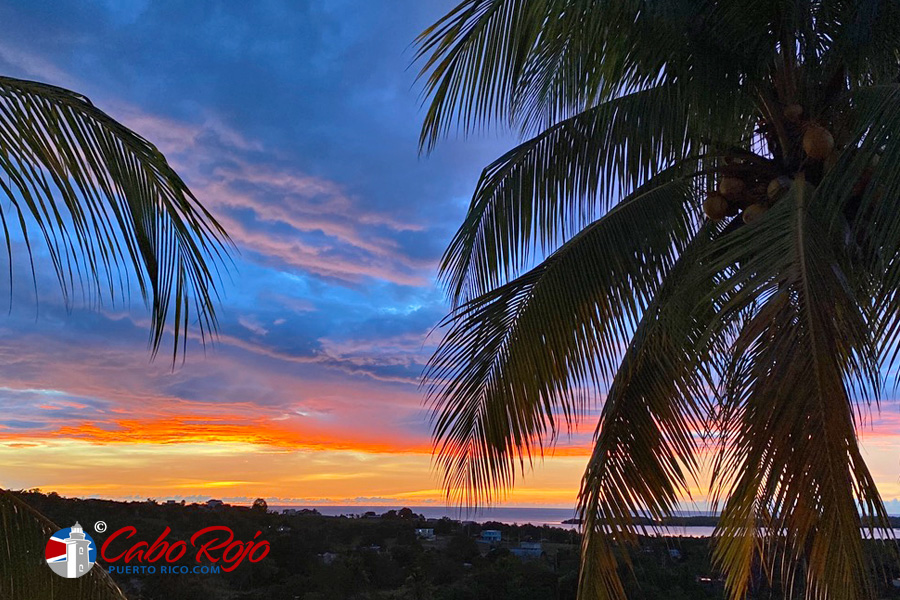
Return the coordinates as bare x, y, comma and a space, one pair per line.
475, 58
651, 423
793, 475
24, 574
525, 356
545, 189
769, 342
860, 37
861, 192
103, 198
535, 63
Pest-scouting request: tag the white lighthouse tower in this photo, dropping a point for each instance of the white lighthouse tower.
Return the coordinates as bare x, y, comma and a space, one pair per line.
78, 556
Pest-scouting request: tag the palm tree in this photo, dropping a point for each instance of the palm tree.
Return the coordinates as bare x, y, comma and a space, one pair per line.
701, 229
112, 213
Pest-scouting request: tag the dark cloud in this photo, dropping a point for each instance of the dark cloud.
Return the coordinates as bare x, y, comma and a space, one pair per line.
296, 123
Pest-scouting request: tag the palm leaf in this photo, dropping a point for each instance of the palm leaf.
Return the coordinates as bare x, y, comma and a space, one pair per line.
859, 37
793, 475
869, 216
786, 324
103, 198
24, 574
535, 63
551, 186
520, 358
482, 42
650, 425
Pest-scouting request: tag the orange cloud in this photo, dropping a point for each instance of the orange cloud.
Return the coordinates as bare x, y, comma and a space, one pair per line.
190, 429
235, 471
207, 430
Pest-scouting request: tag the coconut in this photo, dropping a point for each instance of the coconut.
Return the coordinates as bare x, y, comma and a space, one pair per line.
753, 212
731, 186
715, 206
818, 142
831, 161
793, 113
777, 187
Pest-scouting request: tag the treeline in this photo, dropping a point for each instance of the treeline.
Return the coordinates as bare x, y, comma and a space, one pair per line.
382, 557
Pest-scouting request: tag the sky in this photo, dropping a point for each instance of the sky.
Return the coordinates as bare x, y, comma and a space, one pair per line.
296, 124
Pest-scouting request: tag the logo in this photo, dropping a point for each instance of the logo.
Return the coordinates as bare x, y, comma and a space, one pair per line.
71, 552
216, 549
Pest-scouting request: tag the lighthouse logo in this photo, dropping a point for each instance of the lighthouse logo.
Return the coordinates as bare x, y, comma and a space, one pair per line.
71, 552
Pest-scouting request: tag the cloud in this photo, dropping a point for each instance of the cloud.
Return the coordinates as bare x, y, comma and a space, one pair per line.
296, 123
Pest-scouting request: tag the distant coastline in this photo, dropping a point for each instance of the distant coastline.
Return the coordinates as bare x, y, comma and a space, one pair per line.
686, 524
552, 517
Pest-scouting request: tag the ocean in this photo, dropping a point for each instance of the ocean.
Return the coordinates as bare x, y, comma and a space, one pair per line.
552, 517
514, 515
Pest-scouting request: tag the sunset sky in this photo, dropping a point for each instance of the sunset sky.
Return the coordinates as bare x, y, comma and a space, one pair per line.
296, 124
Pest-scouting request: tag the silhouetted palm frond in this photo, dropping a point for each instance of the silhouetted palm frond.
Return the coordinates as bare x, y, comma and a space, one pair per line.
761, 338
24, 574
108, 207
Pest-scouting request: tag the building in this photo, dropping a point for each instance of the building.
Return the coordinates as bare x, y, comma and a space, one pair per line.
425, 533
78, 552
490, 535
213, 503
528, 550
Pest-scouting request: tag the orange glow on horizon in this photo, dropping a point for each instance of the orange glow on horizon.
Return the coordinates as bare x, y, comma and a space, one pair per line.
188, 429
234, 470
206, 430
195, 457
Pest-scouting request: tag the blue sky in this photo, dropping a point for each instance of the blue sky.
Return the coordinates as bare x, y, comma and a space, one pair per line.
296, 124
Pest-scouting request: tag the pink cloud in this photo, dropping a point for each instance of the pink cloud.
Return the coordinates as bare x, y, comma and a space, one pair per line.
215, 161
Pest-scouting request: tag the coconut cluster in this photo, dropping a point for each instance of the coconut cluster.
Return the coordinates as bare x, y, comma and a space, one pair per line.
751, 188
749, 193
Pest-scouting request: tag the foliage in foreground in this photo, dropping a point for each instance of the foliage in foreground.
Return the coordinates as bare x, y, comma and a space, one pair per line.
381, 558
24, 574
108, 208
